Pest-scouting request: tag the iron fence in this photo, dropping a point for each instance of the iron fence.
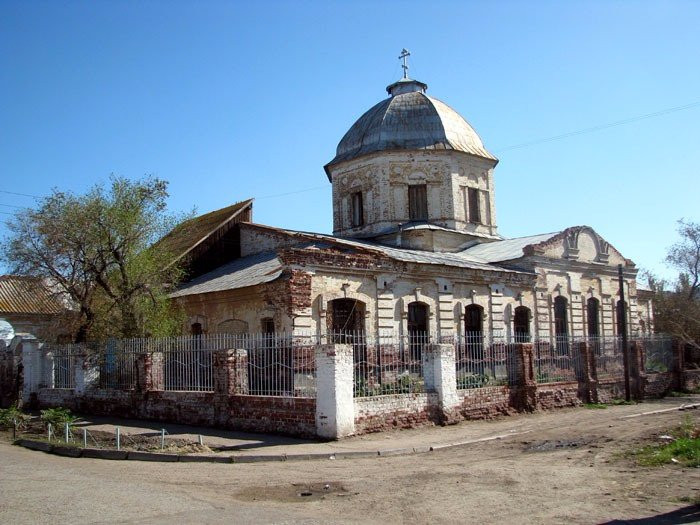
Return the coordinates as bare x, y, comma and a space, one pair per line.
484, 359
658, 353
386, 363
117, 364
64, 362
556, 359
608, 356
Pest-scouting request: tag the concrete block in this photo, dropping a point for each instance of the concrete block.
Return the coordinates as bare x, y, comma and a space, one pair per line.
153, 456
104, 454
35, 445
206, 459
68, 451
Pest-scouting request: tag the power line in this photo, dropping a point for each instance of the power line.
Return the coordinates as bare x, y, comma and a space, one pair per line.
12, 206
20, 194
601, 127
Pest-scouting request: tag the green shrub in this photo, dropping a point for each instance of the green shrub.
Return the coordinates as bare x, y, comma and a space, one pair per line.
58, 416
13, 416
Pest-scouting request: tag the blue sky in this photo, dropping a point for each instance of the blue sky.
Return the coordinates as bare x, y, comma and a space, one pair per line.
230, 100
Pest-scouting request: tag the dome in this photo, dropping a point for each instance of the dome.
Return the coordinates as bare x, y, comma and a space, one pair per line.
409, 120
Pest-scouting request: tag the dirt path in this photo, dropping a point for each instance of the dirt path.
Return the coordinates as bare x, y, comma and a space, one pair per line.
567, 469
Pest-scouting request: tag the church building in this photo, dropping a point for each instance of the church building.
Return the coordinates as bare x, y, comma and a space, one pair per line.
415, 248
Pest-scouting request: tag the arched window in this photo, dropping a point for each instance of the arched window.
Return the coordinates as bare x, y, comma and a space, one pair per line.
592, 314
561, 325
521, 324
473, 347
346, 317
196, 329
346, 324
417, 332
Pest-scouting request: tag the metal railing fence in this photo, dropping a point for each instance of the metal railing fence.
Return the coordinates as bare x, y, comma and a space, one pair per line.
658, 353
387, 363
557, 359
484, 359
609, 359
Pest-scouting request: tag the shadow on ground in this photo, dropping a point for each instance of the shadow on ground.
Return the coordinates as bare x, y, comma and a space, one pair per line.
689, 514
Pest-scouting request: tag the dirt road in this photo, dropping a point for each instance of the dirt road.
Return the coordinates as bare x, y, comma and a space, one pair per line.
567, 469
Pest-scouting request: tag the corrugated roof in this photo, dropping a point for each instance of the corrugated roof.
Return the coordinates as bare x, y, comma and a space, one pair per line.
505, 250
459, 259
247, 271
190, 233
27, 295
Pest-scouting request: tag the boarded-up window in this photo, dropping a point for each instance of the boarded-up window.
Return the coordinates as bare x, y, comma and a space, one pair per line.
358, 214
473, 201
418, 203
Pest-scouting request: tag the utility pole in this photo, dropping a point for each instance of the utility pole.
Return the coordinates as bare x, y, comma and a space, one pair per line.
622, 326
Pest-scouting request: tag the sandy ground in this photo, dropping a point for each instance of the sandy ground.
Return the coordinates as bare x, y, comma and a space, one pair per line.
566, 467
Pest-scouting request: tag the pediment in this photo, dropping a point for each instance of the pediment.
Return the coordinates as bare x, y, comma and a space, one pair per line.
580, 243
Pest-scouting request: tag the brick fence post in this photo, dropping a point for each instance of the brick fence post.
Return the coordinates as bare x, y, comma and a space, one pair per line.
150, 373
525, 388
441, 377
637, 374
588, 372
335, 406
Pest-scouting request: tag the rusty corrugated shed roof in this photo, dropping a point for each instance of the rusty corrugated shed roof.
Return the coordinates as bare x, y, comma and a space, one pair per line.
27, 295
190, 233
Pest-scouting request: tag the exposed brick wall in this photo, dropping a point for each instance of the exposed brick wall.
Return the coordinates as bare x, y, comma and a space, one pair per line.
484, 403
690, 379
379, 413
559, 395
657, 385
294, 416
611, 389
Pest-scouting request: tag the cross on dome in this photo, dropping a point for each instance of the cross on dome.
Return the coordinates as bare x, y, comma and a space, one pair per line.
405, 53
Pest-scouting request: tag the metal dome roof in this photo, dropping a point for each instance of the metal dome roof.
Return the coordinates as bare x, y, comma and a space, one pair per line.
409, 120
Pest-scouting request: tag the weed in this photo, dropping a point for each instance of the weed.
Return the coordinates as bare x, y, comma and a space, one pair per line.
13, 416
685, 451
58, 416
594, 406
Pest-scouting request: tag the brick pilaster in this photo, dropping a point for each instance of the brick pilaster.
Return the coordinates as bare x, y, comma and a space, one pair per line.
525, 392
589, 374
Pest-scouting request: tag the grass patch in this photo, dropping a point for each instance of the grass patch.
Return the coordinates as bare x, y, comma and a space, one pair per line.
595, 406
686, 451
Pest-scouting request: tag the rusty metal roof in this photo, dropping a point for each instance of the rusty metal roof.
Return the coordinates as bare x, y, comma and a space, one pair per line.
240, 273
409, 120
27, 295
184, 237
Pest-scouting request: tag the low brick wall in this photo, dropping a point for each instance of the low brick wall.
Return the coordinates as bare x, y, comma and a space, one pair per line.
658, 384
484, 403
690, 379
293, 416
611, 389
559, 395
379, 413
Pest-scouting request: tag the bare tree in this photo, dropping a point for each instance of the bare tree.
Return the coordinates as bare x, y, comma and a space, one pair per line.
677, 304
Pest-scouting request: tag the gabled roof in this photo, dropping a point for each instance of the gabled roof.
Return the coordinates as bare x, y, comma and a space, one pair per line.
27, 295
247, 271
460, 259
507, 249
193, 232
